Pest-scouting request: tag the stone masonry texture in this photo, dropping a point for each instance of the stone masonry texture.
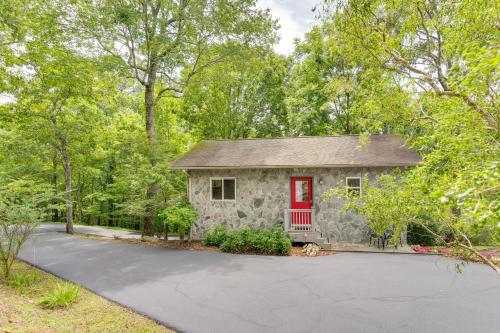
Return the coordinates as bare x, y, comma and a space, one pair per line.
262, 195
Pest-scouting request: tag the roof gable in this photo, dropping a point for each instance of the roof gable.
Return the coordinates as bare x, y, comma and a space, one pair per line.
330, 151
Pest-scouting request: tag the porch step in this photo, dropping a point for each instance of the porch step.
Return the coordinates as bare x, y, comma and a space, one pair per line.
308, 237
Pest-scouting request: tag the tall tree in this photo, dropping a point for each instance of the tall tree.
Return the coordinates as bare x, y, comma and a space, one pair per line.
239, 99
447, 47
164, 43
46, 79
334, 89
55, 107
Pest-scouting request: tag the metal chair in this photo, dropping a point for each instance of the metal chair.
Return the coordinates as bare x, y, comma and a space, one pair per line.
374, 237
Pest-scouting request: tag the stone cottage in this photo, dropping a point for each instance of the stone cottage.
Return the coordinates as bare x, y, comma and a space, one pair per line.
261, 182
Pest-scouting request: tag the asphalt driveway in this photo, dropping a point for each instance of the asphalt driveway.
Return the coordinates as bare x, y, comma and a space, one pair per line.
210, 292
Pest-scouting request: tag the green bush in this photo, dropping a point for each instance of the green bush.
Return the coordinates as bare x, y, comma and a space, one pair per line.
179, 218
216, 236
418, 235
238, 241
23, 280
61, 297
248, 239
159, 225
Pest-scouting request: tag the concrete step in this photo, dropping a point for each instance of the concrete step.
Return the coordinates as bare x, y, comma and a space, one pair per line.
308, 237
304, 237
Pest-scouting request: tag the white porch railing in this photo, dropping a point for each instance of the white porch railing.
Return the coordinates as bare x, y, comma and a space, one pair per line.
299, 220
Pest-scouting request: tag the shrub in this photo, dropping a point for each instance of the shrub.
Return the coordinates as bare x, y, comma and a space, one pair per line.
237, 241
263, 241
61, 297
418, 235
179, 218
22, 207
216, 236
22, 280
159, 225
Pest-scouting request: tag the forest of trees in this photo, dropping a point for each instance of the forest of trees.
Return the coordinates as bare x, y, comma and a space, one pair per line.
99, 97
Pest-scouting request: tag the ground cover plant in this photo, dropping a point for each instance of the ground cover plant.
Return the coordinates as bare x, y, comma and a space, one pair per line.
61, 296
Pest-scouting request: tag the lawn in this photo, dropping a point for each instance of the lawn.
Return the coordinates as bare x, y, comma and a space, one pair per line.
20, 310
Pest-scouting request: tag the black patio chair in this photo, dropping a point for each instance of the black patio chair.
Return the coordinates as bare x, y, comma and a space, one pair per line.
385, 238
383, 241
375, 238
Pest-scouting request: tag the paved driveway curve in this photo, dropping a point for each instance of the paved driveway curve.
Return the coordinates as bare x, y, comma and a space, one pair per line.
209, 292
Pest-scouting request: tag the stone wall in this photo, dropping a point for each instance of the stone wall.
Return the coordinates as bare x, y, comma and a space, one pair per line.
262, 195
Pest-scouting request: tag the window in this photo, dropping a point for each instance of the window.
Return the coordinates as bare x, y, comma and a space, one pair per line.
353, 185
223, 188
216, 189
229, 190
302, 191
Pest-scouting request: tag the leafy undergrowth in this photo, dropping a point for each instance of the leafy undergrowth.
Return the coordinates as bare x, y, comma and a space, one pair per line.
21, 309
492, 253
62, 296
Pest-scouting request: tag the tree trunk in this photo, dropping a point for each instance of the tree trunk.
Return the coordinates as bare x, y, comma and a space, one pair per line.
109, 182
165, 231
55, 211
149, 100
69, 187
78, 199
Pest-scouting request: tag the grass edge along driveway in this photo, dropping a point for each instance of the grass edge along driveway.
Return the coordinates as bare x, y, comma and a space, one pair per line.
20, 309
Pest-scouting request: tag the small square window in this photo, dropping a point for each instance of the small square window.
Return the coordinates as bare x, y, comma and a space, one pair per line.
353, 185
223, 188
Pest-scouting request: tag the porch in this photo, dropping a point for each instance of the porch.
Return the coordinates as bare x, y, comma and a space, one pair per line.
299, 220
301, 224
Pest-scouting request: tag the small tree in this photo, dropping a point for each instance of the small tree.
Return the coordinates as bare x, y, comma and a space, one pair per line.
380, 205
179, 218
20, 212
454, 216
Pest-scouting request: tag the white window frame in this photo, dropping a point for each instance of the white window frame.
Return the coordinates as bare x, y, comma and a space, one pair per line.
347, 187
222, 178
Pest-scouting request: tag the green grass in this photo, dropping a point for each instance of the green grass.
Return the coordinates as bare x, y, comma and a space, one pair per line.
22, 281
62, 296
22, 312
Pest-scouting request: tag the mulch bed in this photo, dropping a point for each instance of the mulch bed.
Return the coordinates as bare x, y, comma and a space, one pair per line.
296, 251
171, 244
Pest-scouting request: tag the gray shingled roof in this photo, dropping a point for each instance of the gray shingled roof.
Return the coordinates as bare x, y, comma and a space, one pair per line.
331, 151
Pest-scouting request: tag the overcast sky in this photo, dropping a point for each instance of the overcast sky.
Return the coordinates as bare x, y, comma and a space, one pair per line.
295, 17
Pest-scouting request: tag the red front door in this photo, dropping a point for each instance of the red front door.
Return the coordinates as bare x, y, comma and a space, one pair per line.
301, 199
